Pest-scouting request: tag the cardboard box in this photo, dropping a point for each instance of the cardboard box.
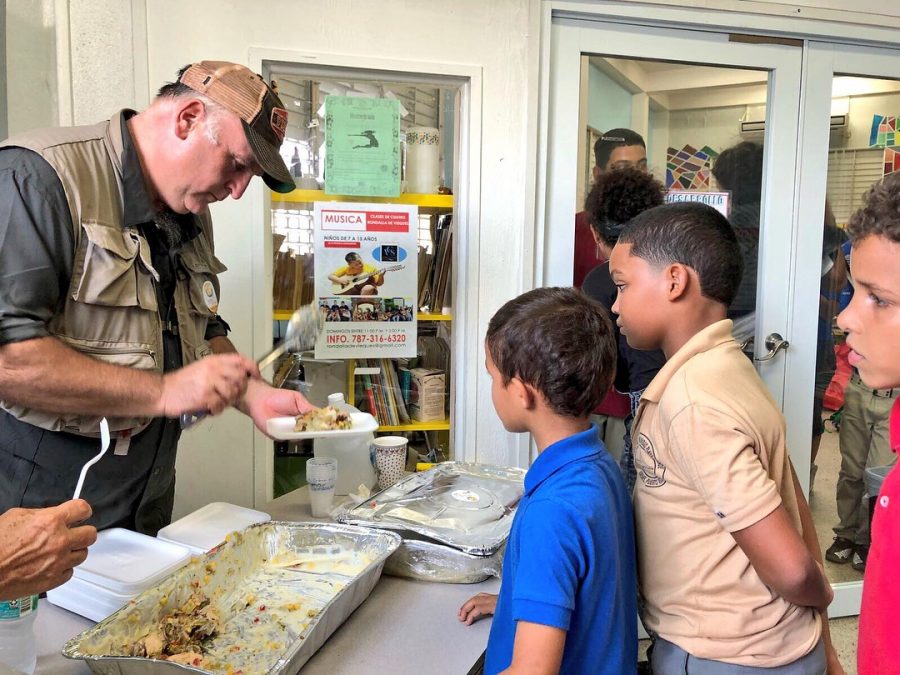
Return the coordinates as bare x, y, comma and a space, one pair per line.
426, 394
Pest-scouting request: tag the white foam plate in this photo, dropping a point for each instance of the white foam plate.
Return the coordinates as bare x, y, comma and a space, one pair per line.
207, 526
127, 562
282, 428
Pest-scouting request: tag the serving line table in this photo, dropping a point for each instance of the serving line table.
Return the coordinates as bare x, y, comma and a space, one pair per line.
403, 627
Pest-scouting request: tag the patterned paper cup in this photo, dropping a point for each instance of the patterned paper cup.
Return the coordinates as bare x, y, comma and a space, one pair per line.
390, 459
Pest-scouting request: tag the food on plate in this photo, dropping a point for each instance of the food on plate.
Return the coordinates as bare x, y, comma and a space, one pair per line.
328, 418
179, 635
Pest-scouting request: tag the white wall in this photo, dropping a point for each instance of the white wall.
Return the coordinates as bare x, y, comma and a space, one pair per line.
31, 85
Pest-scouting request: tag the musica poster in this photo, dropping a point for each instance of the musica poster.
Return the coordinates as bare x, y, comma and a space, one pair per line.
366, 269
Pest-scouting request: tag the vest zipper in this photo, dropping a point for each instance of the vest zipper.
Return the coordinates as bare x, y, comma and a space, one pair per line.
113, 350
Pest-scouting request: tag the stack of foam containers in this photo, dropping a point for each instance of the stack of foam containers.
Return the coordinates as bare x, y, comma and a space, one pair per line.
123, 564
120, 566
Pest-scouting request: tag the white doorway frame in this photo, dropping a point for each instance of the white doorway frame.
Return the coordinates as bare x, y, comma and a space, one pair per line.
467, 219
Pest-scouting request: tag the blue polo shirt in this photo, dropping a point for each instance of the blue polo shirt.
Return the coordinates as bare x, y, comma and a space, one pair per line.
570, 561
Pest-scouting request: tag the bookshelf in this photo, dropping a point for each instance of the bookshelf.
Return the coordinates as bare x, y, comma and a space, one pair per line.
412, 425
297, 285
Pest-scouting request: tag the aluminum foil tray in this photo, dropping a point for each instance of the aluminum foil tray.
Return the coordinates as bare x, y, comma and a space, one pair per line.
425, 560
273, 618
469, 507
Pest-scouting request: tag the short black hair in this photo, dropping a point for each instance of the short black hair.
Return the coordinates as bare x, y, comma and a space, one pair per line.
612, 139
739, 169
560, 342
176, 88
880, 213
618, 196
353, 256
692, 234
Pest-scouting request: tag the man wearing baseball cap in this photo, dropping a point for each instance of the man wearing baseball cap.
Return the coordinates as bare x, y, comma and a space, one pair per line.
109, 299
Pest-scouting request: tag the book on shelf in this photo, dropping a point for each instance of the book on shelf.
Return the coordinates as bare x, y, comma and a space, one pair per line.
293, 283
435, 267
382, 393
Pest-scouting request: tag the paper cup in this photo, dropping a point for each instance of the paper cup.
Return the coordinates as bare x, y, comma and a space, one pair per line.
390, 459
321, 475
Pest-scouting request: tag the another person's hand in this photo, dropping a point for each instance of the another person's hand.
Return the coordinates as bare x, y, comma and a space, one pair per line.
208, 385
263, 402
476, 607
39, 547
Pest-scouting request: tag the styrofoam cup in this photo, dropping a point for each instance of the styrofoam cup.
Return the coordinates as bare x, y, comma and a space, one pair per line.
390, 459
321, 475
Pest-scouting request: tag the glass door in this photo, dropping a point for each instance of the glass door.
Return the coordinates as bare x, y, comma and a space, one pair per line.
713, 114
850, 140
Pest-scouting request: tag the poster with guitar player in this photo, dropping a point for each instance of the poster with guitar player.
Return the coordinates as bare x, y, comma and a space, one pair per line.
366, 268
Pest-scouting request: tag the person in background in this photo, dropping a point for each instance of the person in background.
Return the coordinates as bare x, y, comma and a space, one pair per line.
616, 198
864, 443
728, 559
616, 149
567, 601
110, 295
40, 547
872, 324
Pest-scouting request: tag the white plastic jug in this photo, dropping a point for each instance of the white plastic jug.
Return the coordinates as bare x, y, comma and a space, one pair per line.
354, 461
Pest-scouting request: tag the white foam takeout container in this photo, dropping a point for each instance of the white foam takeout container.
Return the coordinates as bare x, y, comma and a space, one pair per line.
208, 526
120, 565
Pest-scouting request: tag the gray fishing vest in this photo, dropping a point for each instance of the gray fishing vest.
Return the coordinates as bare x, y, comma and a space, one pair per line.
111, 311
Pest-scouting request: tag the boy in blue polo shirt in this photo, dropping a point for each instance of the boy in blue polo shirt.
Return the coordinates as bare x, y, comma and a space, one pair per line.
567, 598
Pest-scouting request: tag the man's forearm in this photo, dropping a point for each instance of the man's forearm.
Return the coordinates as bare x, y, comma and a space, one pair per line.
45, 374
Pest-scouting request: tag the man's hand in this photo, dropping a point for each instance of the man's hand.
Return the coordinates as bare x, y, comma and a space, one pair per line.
263, 402
476, 607
39, 547
210, 384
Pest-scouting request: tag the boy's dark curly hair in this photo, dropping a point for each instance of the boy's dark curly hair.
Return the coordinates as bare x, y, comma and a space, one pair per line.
617, 197
880, 213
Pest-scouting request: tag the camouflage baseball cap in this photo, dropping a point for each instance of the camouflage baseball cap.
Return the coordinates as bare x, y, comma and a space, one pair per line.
262, 113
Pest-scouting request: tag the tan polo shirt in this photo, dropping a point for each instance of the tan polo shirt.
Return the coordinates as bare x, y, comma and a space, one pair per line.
710, 455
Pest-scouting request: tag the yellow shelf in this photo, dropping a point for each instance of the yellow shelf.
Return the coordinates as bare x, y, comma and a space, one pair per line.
310, 196
285, 314
443, 425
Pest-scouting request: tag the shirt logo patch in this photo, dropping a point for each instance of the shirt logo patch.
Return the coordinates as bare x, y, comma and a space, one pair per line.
209, 297
649, 468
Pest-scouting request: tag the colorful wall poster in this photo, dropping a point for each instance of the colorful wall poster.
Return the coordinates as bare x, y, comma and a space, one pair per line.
720, 201
366, 279
362, 146
689, 168
884, 133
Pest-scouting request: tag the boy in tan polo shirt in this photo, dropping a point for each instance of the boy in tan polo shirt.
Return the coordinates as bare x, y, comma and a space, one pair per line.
728, 582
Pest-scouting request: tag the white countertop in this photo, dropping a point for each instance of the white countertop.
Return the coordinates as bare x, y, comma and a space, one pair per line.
404, 626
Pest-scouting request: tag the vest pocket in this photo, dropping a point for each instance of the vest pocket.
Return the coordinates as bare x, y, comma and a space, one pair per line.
130, 354
111, 268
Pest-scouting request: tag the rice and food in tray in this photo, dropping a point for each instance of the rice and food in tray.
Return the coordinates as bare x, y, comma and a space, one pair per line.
243, 608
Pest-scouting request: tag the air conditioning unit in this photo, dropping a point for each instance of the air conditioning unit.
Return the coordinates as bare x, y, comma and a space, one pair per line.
839, 124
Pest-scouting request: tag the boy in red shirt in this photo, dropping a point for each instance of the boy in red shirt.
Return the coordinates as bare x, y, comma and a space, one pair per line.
872, 324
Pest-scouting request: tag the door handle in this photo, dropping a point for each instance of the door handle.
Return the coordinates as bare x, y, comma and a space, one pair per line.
774, 343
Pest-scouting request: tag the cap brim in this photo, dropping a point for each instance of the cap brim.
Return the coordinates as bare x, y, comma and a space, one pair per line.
275, 171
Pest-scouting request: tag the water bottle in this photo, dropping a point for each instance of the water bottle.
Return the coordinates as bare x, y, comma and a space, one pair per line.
17, 646
354, 463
